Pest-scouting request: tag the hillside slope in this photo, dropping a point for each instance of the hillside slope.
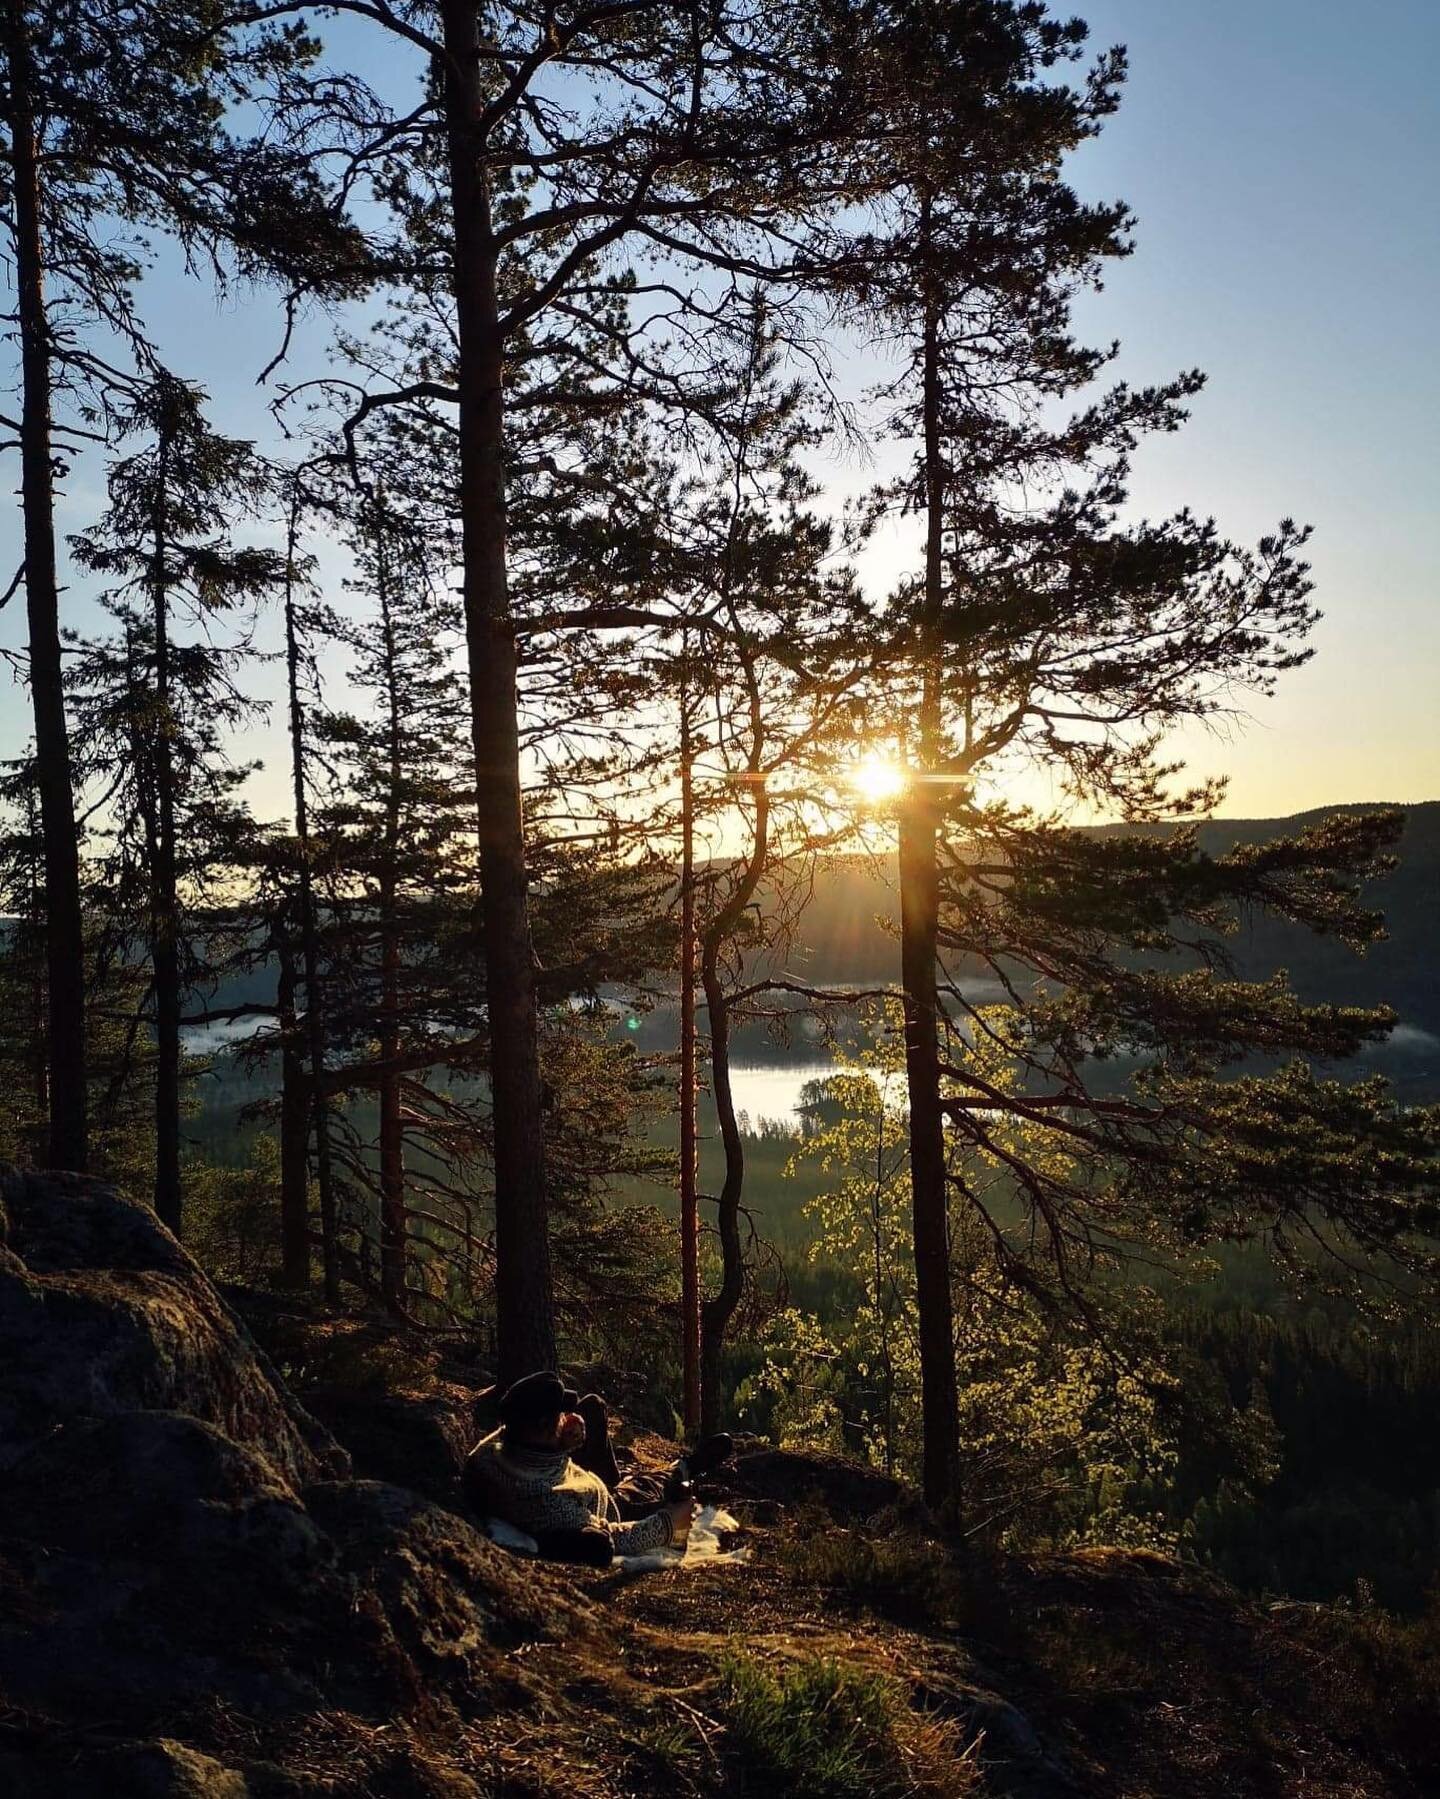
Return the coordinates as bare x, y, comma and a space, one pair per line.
847, 936
844, 934
199, 1599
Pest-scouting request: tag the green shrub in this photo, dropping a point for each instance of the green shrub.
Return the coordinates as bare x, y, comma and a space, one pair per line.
887, 1565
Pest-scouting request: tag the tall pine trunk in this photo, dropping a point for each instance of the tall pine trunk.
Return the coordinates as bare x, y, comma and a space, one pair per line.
392, 1143
32, 934
164, 894
524, 1302
689, 1083
310, 931
64, 934
294, 1127
720, 1308
919, 954
919, 886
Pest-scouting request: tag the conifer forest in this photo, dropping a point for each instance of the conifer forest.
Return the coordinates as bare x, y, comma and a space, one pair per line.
678, 605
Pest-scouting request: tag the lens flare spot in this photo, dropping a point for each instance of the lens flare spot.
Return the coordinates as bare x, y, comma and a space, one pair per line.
877, 779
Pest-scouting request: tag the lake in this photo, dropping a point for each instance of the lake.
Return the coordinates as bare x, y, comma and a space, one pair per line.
763, 1090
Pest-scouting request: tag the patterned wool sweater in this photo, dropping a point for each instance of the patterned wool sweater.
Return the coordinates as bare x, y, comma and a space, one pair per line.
538, 1490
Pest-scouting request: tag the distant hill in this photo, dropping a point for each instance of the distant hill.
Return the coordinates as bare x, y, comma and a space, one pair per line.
848, 936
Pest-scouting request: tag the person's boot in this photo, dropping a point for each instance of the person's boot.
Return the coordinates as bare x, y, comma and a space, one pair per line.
707, 1455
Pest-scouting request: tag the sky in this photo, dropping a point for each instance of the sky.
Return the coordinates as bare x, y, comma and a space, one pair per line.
1281, 158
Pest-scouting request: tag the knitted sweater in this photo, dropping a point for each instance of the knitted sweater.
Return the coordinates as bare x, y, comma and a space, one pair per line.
539, 1489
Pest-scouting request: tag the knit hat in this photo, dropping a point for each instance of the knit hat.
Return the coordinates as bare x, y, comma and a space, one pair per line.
541, 1395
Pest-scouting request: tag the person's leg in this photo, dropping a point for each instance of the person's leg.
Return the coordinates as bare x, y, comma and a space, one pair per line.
596, 1454
637, 1495
588, 1547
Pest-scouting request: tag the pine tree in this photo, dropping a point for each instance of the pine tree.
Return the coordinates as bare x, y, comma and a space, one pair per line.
295, 909
395, 827
24, 1047
1045, 630
154, 705
694, 146
121, 1063
762, 703
113, 120
394, 879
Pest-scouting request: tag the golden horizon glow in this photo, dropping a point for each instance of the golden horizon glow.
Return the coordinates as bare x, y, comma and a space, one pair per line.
878, 778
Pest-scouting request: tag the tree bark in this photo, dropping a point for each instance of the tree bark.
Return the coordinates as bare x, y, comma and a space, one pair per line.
34, 930
919, 951
392, 1148
720, 1308
310, 935
392, 1145
524, 1303
64, 934
164, 895
919, 891
689, 1083
294, 1129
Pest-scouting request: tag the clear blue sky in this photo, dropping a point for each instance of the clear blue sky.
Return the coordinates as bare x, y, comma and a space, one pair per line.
1282, 158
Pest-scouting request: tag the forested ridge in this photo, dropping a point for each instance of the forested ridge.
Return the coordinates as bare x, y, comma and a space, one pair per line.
843, 937
1399, 971
627, 739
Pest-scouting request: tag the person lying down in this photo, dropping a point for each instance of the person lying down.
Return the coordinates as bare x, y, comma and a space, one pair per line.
550, 1471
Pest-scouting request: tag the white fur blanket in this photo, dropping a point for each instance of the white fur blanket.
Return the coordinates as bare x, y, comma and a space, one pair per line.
703, 1550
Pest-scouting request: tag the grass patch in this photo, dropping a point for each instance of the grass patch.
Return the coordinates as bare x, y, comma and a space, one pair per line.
897, 1571
669, 1754
827, 1729
819, 1730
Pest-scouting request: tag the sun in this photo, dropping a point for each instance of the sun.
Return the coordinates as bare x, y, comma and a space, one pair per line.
877, 779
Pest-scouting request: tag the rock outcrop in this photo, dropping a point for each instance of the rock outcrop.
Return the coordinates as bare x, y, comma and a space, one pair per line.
200, 1600
102, 1312
412, 1440
181, 1542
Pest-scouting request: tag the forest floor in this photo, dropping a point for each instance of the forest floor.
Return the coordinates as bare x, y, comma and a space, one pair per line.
209, 1591
1097, 1672
857, 1652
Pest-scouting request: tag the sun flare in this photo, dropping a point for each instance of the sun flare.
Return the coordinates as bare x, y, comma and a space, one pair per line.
877, 779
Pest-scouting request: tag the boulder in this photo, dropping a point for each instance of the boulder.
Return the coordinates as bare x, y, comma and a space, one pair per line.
144, 1637
102, 1311
161, 1486
449, 1593
180, 1541
158, 1769
412, 1440
846, 1490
